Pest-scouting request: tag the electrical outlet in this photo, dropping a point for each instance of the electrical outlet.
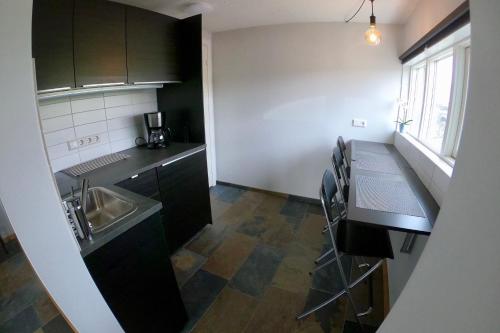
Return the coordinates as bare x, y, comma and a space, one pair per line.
85, 141
359, 123
72, 145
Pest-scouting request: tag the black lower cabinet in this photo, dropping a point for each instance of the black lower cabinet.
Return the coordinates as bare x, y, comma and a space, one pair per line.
145, 184
134, 274
185, 197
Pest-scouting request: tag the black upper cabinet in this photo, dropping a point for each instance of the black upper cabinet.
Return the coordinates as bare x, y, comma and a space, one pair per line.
185, 197
152, 48
99, 42
52, 43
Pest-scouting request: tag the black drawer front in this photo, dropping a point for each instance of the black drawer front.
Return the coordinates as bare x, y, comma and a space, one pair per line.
145, 184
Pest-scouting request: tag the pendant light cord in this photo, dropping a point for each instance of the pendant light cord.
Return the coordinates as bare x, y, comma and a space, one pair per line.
356, 13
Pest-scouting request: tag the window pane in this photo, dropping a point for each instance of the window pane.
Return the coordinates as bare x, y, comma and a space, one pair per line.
416, 98
434, 124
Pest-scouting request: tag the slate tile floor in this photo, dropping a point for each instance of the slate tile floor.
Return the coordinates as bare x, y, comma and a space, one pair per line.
24, 303
249, 271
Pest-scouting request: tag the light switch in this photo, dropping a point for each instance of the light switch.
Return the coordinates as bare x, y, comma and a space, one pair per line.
73, 144
359, 123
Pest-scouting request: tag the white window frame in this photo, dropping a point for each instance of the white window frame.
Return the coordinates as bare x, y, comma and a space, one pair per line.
458, 96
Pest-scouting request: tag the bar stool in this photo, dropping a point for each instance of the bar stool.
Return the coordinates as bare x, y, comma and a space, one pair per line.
351, 239
343, 151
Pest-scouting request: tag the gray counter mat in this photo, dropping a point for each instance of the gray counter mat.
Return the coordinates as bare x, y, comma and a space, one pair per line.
376, 162
387, 195
373, 147
94, 164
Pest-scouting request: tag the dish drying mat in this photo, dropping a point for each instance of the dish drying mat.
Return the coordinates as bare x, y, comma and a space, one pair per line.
376, 162
386, 195
94, 164
372, 147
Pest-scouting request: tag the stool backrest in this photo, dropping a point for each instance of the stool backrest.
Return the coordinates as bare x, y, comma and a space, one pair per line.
342, 148
328, 194
338, 165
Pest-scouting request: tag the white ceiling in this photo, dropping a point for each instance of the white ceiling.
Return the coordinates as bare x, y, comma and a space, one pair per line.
234, 14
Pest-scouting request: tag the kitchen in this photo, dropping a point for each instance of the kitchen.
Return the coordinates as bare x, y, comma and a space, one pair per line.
115, 160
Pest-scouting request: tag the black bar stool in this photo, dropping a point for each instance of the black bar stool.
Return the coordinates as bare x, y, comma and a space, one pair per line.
351, 239
343, 151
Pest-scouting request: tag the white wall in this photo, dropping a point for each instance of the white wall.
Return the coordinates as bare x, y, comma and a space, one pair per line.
115, 116
435, 174
28, 191
283, 94
426, 15
208, 104
454, 287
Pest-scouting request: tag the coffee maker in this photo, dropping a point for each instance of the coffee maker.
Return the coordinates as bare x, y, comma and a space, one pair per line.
158, 132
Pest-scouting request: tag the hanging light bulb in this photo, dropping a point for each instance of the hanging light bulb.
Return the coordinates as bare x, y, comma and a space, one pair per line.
372, 35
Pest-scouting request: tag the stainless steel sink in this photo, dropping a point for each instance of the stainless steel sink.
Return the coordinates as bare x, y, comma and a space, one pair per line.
105, 208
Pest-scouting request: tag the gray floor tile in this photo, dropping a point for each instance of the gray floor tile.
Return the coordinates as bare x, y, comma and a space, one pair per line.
25, 321
294, 208
258, 270
57, 325
199, 292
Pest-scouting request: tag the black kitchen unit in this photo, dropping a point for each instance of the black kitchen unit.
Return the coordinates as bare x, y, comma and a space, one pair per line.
186, 207
152, 47
52, 45
137, 281
183, 188
100, 44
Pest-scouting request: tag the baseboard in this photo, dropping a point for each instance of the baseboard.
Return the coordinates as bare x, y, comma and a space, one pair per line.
284, 195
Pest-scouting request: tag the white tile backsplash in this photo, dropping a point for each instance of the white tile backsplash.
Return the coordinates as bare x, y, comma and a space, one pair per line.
114, 99
90, 129
61, 136
94, 152
64, 162
63, 107
56, 124
115, 116
89, 117
87, 103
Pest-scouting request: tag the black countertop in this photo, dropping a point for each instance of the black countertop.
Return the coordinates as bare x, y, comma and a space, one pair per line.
385, 219
141, 160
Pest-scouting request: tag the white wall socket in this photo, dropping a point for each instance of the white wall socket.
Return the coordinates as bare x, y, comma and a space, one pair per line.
359, 123
82, 142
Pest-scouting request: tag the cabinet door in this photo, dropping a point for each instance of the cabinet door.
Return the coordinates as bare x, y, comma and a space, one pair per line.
135, 276
99, 37
52, 43
185, 197
145, 184
152, 47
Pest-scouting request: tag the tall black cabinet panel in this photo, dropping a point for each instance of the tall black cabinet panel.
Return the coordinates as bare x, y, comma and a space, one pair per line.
184, 102
185, 197
99, 38
152, 47
135, 276
52, 43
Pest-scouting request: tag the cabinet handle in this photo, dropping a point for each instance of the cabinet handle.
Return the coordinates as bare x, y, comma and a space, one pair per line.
103, 84
52, 90
156, 82
134, 176
180, 158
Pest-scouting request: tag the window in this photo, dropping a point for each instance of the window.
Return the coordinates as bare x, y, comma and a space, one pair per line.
436, 95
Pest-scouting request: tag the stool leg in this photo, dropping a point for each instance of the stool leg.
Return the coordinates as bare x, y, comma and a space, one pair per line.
323, 256
325, 264
344, 279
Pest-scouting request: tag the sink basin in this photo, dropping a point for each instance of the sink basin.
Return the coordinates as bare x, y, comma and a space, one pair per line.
105, 208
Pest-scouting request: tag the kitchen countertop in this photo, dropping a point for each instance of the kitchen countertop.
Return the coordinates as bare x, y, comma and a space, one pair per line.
145, 208
141, 159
